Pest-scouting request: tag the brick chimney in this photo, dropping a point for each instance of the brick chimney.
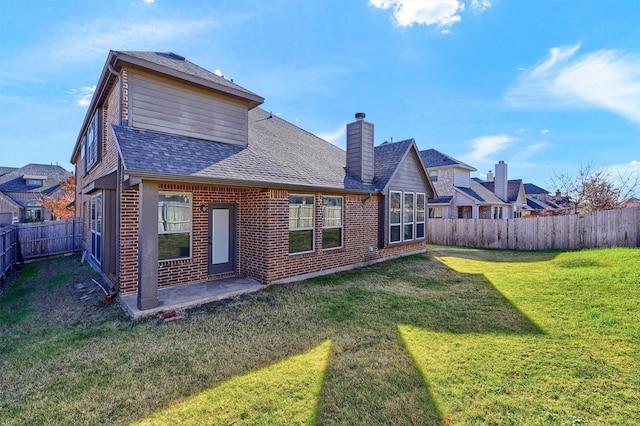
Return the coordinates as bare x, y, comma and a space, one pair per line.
489, 176
360, 149
500, 185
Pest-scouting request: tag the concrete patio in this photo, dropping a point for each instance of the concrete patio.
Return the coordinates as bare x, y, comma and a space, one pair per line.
191, 295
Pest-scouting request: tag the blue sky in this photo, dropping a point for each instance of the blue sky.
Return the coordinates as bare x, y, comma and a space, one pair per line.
543, 85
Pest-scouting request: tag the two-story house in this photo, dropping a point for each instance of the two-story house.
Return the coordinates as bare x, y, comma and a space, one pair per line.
182, 178
460, 196
22, 190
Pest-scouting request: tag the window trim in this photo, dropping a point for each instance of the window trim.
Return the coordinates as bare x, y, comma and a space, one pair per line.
92, 148
312, 228
341, 227
399, 223
190, 196
424, 215
96, 235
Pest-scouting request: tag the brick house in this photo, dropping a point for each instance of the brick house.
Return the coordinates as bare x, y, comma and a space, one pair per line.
22, 190
182, 178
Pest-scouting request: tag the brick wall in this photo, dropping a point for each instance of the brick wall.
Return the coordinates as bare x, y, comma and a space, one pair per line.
262, 237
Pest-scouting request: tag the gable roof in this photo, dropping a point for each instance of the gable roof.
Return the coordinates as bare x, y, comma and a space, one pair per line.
435, 159
279, 154
480, 193
530, 188
165, 63
15, 181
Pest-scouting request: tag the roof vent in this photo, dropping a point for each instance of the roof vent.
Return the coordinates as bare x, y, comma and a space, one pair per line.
171, 55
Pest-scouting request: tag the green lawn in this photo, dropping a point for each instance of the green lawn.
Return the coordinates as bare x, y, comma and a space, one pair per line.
456, 336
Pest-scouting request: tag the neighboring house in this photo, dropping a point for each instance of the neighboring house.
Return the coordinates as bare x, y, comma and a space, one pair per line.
182, 178
509, 191
22, 190
631, 202
539, 200
459, 196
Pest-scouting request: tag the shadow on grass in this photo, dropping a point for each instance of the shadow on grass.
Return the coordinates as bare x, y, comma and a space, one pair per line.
495, 255
370, 378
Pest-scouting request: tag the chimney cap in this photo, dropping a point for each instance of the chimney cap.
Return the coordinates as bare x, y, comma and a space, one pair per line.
360, 115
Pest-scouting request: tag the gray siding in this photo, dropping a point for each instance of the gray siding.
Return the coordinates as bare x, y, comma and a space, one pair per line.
461, 178
409, 176
160, 104
360, 150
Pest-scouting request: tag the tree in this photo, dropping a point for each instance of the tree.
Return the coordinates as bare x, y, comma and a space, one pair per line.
593, 189
62, 207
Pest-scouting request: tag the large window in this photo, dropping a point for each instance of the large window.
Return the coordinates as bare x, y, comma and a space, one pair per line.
91, 142
174, 225
96, 226
407, 220
301, 215
395, 216
331, 222
420, 217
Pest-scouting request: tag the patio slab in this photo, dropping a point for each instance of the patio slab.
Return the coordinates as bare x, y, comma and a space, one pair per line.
191, 295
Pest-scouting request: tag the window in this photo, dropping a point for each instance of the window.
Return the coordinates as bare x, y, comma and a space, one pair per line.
96, 227
395, 208
331, 222
174, 225
408, 217
301, 215
420, 219
34, 182
91, 142
407, 220
34, 211
433, 175
435, 212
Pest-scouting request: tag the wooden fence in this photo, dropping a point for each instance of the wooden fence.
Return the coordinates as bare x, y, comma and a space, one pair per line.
32, 240
611, 228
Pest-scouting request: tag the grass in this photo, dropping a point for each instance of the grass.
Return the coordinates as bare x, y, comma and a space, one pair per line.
456, 336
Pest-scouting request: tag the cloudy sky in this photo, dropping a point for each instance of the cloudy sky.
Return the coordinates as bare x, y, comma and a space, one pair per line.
543, 85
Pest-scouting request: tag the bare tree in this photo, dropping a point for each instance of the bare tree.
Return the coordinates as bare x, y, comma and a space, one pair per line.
593, 189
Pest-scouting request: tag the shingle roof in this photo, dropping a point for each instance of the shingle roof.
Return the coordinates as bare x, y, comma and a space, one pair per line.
479, 192
534, 204
433, 158
530, 188
278, 153
5, 170
14, 180
181, 64
513, 187
445, 199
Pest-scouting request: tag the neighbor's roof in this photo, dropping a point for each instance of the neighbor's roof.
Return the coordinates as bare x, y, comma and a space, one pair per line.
279, 154
481, 194
513, 187
530, 188
434, 159
5, 170
15, 181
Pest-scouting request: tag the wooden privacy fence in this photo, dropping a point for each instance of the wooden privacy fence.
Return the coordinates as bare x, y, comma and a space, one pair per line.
32, 240
610, 228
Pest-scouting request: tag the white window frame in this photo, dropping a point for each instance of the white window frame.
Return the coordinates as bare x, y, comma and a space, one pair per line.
189, 195
433, 175
313, 223
412, 222
325, 226
395, 224
424, 215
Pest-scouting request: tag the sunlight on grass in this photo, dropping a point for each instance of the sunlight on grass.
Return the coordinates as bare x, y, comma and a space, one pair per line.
283, 393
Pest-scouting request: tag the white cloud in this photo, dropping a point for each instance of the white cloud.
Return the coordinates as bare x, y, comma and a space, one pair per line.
442, 13
544, 131
83, 95
601, 79
480, 5
521, 130
632, 167
148, 1
218, 73
485, 146
336, 137
528, 152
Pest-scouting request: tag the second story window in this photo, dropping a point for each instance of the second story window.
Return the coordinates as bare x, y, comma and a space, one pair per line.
92, 142
433, 175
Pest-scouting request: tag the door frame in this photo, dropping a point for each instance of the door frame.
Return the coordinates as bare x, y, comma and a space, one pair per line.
233, 232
